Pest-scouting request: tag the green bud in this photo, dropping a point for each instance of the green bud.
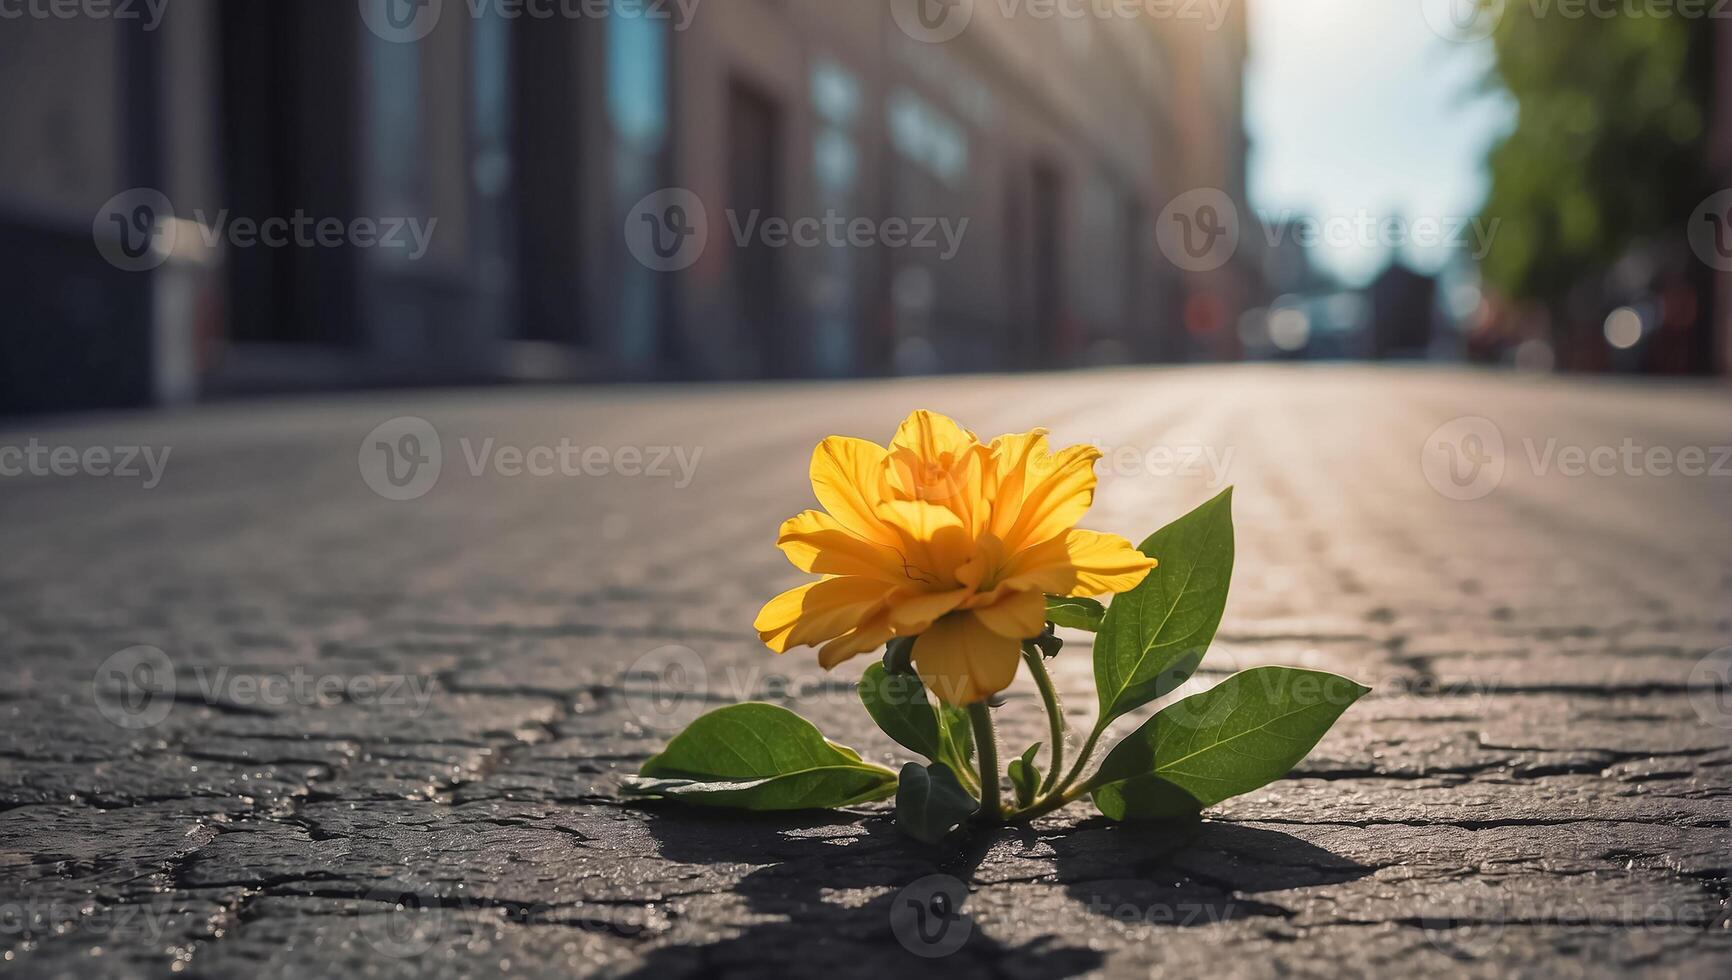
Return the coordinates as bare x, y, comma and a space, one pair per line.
1048, 643
899, 656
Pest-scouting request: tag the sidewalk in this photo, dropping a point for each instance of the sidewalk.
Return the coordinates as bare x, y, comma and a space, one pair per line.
386, 735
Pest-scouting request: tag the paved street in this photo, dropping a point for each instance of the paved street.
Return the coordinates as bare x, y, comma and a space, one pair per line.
387, 736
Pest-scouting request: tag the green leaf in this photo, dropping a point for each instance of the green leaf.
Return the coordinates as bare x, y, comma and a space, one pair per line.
930, 802
959, 737
1154, 636
1077, 613
760, 757
1243, 734
900, 706
898, 703
1025, 775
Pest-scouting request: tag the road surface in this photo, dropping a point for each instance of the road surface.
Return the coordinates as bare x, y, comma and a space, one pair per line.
348, 685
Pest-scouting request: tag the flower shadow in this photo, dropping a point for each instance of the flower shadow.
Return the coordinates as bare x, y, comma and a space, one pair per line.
839, 897
842, 899
1189, 874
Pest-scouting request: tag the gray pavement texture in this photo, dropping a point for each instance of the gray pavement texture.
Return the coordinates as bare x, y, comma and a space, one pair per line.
396, 730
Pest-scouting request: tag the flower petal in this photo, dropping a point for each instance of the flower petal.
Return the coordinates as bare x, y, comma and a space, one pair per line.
1058, 490
819, 611
1106, 563
1007, 476
933, 542
1080, 563
913, 614
932, 436
954, 481
869, 636
815, 542
848, 478
1018, 615
986, 564
963, 662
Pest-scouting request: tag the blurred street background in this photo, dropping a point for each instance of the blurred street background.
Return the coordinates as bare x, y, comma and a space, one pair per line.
399, 399
201, 199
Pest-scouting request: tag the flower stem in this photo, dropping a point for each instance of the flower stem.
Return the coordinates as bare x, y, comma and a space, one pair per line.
1054, 713
1082, 760
1056, 801
986, 742
964, 773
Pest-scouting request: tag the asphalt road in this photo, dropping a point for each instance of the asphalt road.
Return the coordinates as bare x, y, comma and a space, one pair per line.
264, 720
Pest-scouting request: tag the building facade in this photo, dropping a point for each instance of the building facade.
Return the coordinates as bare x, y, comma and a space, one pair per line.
980, 200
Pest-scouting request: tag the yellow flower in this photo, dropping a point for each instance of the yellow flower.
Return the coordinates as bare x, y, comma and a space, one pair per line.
948, 539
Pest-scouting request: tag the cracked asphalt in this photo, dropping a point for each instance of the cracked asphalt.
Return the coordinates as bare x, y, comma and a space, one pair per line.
262, 720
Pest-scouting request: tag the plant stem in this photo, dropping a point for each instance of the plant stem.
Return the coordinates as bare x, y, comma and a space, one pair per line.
986, 743
964, 774
1082, 760
1054, 713
1056, 801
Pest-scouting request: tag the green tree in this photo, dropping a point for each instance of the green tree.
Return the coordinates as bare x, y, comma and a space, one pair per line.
1607, 149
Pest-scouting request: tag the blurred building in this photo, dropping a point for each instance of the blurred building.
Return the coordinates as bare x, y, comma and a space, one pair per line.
1403, 310
1720, 173
510, 151
1209, 149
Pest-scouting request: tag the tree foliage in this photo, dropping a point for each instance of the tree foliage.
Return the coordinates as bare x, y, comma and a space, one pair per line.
1607, 149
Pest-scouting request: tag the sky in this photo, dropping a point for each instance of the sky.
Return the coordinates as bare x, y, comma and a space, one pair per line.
1358, 107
